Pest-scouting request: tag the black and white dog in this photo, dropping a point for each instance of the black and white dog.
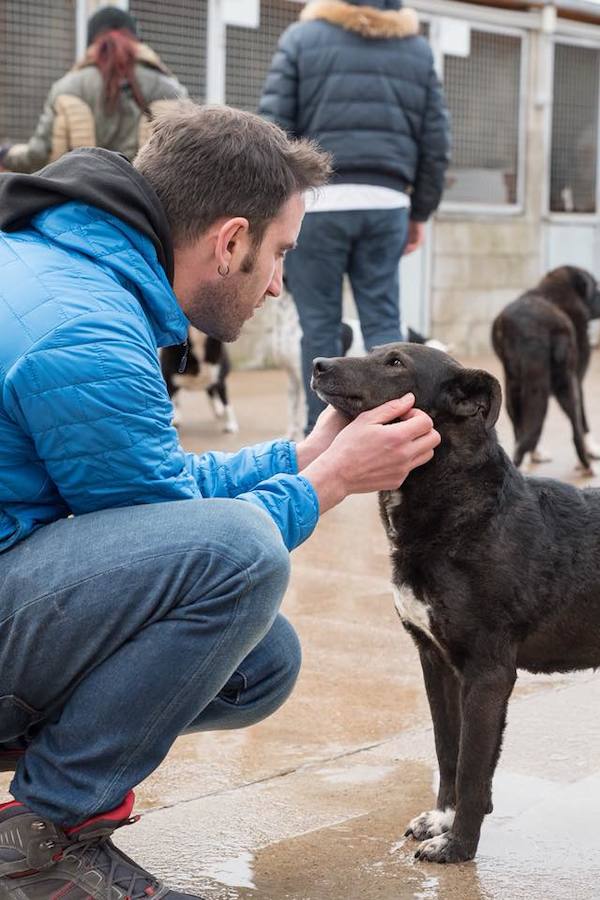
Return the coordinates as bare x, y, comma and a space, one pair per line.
282, 346
205, 368
492, 571
542, 341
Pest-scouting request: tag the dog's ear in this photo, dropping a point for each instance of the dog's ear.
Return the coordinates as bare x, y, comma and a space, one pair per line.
582, 281
473, 392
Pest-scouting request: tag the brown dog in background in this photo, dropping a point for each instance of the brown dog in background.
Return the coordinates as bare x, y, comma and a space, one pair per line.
542, 340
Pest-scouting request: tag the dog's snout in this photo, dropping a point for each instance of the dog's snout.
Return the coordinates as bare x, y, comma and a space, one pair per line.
321, 364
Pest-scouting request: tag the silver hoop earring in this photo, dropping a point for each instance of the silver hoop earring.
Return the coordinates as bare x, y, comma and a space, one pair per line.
223, 271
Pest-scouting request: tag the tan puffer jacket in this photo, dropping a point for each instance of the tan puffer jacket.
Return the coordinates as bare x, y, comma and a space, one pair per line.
74, 114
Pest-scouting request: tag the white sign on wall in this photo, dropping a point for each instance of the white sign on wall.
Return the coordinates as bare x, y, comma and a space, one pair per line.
244, 13
455, 37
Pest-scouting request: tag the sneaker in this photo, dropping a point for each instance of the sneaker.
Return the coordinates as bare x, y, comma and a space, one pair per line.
39, 860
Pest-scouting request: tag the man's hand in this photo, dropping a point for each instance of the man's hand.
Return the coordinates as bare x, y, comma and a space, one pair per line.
371, 455
327, 427
416, 237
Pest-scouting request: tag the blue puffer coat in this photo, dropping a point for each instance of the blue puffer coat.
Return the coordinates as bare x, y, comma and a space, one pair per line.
360, 81
85, 419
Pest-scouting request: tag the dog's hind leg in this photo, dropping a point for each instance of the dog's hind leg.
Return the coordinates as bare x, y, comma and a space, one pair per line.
592, 447
567, 392
485, 689
443, 695
532, 404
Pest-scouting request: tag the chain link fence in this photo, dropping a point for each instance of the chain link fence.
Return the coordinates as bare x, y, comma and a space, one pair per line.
574, 149
37, 46
483, 91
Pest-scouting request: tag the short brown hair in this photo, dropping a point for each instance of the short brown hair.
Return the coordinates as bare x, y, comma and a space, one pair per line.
209, 162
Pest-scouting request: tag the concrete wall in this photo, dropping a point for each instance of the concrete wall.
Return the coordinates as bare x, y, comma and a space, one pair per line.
481, 263
478, 267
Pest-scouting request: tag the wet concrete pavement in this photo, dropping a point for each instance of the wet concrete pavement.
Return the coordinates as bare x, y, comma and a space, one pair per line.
313, 803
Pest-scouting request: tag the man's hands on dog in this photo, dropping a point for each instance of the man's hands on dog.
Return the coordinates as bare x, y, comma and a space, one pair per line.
374, 452
327, 427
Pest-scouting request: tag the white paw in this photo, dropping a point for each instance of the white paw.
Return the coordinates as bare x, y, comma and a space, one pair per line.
230, 424
593, 449
430, 824
433, 849
539, 455
586, 471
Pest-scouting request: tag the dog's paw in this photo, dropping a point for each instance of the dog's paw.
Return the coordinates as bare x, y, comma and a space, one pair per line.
430, 824
586, 471
231, 427
444, 848
593, 449
539, 455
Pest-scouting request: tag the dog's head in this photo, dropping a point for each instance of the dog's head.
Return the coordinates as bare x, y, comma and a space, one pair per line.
582, 282
460, 401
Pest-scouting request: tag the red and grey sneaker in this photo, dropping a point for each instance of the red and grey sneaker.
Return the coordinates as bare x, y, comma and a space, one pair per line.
41, 861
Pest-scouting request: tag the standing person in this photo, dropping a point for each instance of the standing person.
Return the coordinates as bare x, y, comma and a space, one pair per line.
357, 78
140, 585
106, 100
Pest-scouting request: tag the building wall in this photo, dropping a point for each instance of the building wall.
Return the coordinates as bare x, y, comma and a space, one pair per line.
481, 263
479, 267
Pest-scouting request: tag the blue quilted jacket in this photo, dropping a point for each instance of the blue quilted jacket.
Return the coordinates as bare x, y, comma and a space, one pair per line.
85, 419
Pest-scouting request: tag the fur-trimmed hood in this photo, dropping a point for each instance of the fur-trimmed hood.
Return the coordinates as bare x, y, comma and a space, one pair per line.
367, 21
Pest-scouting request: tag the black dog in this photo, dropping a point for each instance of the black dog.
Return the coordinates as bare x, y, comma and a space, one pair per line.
492, 571
542, 341
203, 364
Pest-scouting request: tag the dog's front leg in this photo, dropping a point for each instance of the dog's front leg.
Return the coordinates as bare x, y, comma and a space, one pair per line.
443, 694
484, 698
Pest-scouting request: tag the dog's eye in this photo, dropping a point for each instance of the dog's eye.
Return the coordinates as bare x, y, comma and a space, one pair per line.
394, 361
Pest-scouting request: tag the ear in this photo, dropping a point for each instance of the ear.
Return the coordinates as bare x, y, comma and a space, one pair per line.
473, 392
583, 282
232, 239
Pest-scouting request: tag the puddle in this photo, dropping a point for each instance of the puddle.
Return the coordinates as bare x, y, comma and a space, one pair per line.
235, 872
355, 774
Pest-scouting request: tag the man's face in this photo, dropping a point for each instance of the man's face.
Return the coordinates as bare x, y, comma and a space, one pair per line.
220, 308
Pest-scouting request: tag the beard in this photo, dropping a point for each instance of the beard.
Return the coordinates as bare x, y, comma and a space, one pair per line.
219, 309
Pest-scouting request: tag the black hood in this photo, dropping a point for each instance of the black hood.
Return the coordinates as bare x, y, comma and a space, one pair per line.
95, 176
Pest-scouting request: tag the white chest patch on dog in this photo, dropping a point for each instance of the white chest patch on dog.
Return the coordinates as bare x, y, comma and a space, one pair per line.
414, 611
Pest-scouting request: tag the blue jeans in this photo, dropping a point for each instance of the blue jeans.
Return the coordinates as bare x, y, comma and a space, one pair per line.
122, 629
365, 244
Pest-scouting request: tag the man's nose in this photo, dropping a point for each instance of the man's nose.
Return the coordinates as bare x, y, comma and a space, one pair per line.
274, 289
